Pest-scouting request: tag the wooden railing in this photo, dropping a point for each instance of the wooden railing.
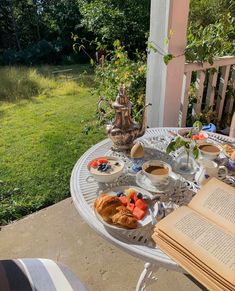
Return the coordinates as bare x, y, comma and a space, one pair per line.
212, 85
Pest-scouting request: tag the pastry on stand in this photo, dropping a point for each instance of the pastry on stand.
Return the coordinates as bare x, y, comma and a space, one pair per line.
137, 157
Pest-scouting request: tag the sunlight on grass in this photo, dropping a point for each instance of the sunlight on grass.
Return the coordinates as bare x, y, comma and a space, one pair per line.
66, 88
41, 140
23, 83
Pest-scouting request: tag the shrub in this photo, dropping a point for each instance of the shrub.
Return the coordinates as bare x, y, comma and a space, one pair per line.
118, 69
117, 19
42, 52
214, 40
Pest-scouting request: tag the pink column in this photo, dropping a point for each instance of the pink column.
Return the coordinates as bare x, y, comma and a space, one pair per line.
164, 83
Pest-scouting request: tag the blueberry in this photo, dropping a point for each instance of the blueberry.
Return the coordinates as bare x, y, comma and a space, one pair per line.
119, 194
139, 195
108, 167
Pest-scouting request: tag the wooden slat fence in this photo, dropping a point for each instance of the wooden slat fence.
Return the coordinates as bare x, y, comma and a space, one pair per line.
214, 86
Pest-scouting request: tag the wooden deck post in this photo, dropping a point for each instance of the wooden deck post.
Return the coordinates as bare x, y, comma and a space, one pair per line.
164, 82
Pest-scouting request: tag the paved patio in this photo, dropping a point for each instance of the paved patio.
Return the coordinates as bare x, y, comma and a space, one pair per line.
59, 233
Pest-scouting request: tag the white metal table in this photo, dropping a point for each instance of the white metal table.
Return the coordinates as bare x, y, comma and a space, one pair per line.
136, 242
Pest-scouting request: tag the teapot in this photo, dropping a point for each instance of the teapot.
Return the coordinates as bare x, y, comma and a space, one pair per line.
207, 170
123, 130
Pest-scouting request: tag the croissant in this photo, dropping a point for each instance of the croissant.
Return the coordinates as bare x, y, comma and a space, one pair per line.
124, 218
106, 206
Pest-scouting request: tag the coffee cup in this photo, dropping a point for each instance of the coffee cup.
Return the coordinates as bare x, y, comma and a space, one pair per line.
210, 151
209, 169
157, 172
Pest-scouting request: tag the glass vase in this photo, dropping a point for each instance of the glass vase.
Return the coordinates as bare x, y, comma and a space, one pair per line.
185, 163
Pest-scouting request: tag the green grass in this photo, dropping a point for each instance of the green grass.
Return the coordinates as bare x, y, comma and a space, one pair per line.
41, 138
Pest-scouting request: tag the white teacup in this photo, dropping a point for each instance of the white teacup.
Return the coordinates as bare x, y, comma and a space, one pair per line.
157, 171
210, 151
209, 169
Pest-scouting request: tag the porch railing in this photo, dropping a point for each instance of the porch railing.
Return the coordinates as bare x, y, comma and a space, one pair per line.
212, 85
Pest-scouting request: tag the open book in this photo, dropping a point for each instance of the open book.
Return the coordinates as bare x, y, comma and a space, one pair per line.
201, 236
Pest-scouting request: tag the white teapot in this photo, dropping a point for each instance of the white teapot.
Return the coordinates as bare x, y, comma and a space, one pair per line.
207, 170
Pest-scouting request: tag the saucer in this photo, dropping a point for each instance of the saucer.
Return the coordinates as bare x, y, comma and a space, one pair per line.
143, 181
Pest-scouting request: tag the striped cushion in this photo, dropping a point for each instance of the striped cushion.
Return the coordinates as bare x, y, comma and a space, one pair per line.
37, 275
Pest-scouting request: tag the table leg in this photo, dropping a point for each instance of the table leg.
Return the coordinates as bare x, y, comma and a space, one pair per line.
146, 277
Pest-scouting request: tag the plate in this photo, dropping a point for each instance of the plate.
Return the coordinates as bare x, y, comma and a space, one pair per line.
228, 148
141, 223
143, 181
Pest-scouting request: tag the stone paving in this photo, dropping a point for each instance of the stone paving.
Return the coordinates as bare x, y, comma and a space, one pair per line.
59, 233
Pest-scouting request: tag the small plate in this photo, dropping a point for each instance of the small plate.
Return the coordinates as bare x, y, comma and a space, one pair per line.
143, 181
225, 151
141, 223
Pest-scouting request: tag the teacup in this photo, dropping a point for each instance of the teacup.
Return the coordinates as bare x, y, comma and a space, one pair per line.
207, 170
157, 171
210, 151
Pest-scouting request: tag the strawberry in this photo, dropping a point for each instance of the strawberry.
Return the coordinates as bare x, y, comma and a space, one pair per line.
201, 136
102, 161
195, 137
93, 164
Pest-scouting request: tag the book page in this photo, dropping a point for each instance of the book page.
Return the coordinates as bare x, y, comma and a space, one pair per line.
189, 265
216, 201
210, 243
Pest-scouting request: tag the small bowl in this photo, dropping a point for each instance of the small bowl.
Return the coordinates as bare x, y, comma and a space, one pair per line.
157, 180
203, 140
210, 155
105, 177
184, 131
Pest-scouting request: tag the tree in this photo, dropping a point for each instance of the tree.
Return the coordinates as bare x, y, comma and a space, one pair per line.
126, 20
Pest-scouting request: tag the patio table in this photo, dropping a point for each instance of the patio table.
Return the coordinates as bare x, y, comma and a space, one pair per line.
136, 242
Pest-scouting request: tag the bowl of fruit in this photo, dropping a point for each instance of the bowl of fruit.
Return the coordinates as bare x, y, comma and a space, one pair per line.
201, 137
105, 169
187, 134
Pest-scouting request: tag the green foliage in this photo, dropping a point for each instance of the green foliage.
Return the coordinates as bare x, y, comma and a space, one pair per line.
204, 12
41, 52
117, 19
188, 145
198, 125
167, 58
210, 41
119, 69
37, 31
41, 140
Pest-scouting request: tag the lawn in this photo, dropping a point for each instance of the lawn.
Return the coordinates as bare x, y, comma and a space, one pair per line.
41, 139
